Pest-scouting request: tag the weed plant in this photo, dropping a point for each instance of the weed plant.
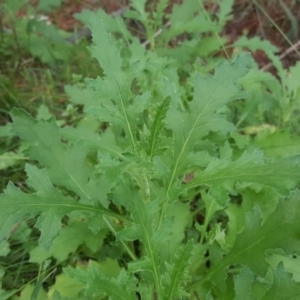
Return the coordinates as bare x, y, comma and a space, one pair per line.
179, 180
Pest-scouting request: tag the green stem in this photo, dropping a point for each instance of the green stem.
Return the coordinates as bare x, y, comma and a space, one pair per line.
128, 250
215, 33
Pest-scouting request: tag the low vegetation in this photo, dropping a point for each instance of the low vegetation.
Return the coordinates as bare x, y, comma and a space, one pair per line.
160, 162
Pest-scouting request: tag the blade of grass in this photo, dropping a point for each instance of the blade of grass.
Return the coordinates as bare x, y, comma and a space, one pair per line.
276, 26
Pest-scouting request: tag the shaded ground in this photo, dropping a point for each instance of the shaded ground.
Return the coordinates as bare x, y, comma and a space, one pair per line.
261, 20
64, 19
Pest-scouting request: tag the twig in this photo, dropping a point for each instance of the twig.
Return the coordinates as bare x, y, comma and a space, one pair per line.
283, 55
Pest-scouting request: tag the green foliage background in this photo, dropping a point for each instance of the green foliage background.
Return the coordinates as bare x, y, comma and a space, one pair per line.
178, 179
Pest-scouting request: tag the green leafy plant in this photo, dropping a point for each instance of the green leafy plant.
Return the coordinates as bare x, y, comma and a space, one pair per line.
35, 64
162, 194
32, 32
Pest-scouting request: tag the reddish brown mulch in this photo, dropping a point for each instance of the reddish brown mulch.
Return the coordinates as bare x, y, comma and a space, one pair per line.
64, 19
249, 20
